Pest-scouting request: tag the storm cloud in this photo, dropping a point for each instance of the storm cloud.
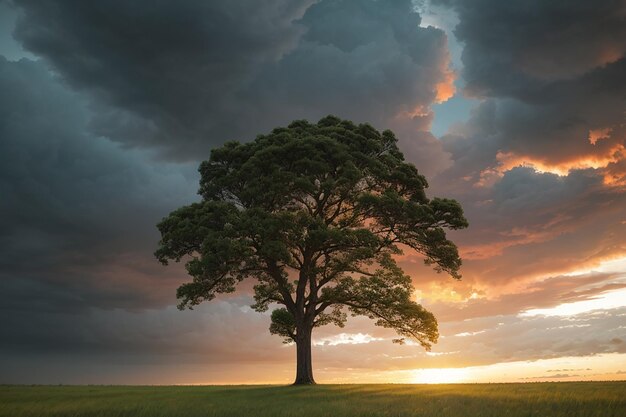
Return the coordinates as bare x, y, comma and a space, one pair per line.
113, 105
184, 78
539, 164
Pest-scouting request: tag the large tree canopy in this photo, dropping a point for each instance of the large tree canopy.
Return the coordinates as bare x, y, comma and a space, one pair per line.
314, 214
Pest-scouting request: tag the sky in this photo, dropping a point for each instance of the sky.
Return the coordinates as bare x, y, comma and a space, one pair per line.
515, 109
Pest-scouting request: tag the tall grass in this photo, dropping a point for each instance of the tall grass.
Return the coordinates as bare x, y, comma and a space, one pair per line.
602, 399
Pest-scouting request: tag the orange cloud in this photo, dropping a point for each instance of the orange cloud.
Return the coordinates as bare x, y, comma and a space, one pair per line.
596, 134
445, 89
489, 250
518, 236
509, 160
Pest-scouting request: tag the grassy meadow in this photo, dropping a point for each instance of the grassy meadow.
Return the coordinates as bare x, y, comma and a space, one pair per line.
602, 399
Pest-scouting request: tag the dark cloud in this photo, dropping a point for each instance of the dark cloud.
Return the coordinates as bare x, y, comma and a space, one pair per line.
122, 87
80, 204
186, 77
78, 212
553, 376
533, 223
77, 215
171, 72
553, 75
539, 166
529, 45
552, 133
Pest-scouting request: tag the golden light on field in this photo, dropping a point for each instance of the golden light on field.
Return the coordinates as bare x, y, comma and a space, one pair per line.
440, 375
601, 367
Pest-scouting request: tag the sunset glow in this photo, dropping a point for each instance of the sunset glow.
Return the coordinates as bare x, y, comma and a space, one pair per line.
597, 134
603, 301
557, 369
613, 155
441, 376
488, 141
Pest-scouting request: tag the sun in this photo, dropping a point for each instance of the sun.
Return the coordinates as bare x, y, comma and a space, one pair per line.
440, 375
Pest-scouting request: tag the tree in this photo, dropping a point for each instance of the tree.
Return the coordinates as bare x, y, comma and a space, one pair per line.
314, 213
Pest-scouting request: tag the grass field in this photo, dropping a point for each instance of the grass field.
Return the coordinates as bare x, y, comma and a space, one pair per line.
605, 399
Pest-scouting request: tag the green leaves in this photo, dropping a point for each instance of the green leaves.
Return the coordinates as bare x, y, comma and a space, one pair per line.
385, 296
448, 213
313, 213
283, 324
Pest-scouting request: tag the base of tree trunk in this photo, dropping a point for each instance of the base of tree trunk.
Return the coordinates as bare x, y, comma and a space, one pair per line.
304, 382
304, 363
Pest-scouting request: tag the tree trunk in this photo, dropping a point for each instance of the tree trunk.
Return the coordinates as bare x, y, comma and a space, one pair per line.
304, 365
